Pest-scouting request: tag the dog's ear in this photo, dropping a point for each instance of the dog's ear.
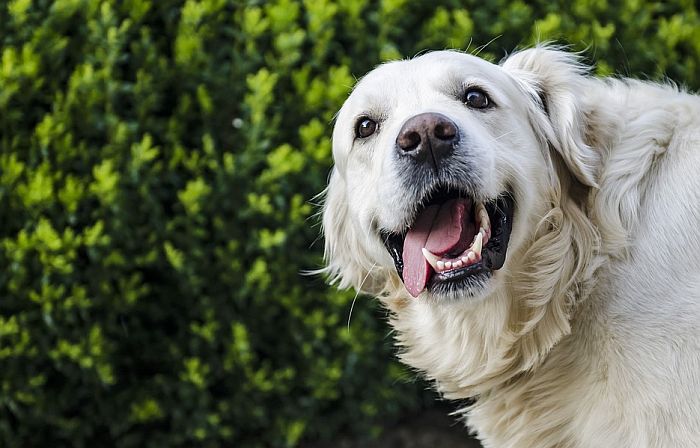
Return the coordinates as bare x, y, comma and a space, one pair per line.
556, 79
347, 263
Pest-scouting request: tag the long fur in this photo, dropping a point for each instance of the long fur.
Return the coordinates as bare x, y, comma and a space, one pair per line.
588, 336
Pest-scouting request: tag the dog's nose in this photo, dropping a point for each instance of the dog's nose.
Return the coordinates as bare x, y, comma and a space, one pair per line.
428, 136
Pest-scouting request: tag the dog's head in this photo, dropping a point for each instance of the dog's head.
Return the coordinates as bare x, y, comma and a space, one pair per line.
448, 168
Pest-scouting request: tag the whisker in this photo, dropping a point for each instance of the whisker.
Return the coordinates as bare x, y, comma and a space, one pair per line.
357, 293
502, 135
478, 50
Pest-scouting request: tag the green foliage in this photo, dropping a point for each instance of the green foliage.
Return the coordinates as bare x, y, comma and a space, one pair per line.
157, 164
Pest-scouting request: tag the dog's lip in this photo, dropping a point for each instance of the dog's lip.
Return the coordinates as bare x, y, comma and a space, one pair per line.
500, 210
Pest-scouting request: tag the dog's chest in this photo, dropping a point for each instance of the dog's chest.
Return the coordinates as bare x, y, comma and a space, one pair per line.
594, 392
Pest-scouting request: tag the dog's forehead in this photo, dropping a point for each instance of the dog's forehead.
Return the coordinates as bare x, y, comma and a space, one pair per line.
432, 70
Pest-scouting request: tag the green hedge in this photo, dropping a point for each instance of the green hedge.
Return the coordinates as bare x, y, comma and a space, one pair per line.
158, 161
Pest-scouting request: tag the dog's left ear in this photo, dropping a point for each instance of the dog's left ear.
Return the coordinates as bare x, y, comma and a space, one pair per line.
556, 79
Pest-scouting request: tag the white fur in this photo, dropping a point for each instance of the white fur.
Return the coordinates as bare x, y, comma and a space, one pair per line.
589, 335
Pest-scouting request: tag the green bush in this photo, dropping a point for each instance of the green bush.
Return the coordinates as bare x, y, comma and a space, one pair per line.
158, 161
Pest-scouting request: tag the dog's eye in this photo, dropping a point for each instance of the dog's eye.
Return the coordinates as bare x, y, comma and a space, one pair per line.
365, 127
476, 99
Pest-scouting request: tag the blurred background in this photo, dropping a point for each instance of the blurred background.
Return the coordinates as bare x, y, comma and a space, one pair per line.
159, 161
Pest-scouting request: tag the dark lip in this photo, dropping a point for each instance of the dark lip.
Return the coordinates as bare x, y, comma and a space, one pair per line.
501, 211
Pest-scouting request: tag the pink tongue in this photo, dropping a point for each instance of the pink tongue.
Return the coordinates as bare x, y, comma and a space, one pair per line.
440, 229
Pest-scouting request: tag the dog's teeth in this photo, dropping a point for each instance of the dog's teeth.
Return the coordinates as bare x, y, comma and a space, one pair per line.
432, 258
485, 235
474, 254
476, 246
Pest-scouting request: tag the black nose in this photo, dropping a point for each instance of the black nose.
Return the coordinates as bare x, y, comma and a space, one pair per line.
427, 137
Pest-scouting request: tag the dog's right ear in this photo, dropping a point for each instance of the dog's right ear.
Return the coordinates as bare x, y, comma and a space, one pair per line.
346, 259
557, 79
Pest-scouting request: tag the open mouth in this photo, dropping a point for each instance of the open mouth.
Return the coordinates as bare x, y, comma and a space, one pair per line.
454, 244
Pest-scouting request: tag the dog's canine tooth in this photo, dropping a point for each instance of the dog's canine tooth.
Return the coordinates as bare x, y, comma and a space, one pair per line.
485, 234
476, 246
431, 258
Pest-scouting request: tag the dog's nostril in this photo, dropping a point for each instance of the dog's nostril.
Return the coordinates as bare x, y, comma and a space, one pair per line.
408, 140
445, 131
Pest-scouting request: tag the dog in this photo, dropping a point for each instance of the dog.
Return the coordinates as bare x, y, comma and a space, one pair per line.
534, 232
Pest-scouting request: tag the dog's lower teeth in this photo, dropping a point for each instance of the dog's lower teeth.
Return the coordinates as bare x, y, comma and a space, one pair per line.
471, 256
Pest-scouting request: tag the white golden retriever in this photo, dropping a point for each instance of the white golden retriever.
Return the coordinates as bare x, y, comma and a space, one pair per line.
535, 233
